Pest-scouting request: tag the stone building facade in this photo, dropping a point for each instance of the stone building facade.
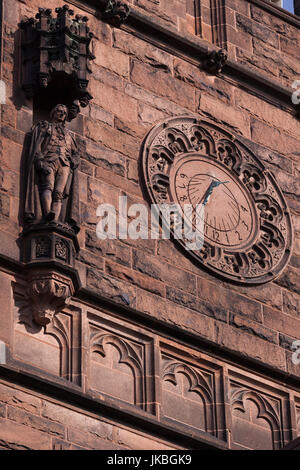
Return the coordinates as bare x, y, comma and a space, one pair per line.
149, 347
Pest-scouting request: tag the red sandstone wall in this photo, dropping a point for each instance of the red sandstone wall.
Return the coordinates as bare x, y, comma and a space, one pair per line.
134, 85
178, 14
253, 35
33, 422
266, 43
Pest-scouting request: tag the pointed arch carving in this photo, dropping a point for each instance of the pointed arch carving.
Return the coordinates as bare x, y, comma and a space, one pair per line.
268, 410
199, 383
64, 328
127, 354
130, 354
61, 332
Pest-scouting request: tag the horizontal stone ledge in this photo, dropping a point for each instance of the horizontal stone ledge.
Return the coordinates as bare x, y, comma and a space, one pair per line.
162, 328
140, 421
192, 340
283, 14
195, 50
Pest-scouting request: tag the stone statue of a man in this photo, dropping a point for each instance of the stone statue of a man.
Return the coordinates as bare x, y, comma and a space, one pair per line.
51, 182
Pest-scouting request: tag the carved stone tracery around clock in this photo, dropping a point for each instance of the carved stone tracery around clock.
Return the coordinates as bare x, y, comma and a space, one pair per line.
247, 228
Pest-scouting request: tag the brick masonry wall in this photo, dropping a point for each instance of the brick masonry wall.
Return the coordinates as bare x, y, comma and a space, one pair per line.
253, 36
178, 14
32, 422
135, 85
267, 44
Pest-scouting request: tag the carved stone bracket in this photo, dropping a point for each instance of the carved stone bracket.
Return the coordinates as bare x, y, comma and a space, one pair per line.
57, 48
48, 294
49, 255
45, 244
116, 12
216, 61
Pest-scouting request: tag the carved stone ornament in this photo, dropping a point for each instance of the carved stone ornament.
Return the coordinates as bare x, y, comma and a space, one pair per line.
116, 12
243, 222
216, 61
51, 182
51, 215
57, 47
46, 295
47, 244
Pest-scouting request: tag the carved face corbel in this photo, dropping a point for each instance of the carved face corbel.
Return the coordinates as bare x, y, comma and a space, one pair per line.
116, 12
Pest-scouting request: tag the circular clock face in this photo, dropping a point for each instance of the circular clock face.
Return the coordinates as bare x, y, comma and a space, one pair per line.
224, 193
228, 215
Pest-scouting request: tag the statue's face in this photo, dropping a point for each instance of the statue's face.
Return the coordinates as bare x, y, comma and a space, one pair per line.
60, 114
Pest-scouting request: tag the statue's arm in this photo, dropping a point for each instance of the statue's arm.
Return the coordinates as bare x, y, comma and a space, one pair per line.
75, 154
39, 133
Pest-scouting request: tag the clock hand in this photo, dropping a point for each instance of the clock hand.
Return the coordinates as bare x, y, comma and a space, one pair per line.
214, 184
207, 193
218, 183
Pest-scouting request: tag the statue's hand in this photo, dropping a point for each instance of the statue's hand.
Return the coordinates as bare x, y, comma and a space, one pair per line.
41, 165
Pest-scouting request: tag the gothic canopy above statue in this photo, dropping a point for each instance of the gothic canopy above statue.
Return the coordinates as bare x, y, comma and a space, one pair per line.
56, 50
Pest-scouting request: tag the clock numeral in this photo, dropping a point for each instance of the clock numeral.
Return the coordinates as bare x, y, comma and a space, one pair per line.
244, 209
182, 187
183, 175
216, 235
183, 198
243, 222
238, 234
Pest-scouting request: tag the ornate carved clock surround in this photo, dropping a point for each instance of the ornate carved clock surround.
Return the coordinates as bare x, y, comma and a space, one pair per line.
247, 225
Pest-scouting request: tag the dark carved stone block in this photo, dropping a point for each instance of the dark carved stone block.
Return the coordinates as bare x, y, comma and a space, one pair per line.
116, 12
57, 47
215, 62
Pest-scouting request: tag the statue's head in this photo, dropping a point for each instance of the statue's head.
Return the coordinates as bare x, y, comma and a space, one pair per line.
59, 113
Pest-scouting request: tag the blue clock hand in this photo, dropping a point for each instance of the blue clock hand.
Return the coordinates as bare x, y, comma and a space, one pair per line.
214, 184
207, 193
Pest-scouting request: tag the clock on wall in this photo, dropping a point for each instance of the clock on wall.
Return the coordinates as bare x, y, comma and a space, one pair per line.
245, 223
